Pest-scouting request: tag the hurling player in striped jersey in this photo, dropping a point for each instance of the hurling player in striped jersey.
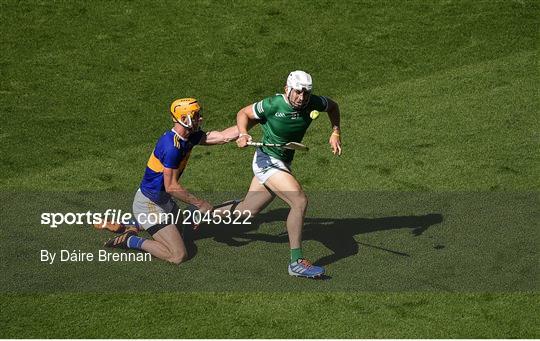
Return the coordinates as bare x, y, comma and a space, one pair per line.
160, 184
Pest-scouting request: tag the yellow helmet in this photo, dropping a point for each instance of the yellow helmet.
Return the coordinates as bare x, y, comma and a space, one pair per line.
187, 112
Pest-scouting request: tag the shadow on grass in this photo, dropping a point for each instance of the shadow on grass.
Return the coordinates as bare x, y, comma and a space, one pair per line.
335, 234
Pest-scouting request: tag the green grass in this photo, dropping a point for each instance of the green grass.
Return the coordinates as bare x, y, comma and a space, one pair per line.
263, 315
440, 112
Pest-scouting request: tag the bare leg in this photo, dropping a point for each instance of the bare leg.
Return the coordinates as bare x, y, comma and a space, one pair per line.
257, 198
285, 186
167, 245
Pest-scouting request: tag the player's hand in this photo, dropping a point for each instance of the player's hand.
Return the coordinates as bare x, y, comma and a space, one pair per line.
335, 142
204, 206
243, 140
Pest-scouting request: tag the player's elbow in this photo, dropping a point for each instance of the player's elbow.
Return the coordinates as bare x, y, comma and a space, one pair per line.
241, 119
170, 189
333, 107
244, 115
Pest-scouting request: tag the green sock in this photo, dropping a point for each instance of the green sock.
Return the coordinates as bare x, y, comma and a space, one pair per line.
296, 254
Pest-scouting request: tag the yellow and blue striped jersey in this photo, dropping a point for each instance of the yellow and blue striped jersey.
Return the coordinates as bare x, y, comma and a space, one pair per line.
171, 151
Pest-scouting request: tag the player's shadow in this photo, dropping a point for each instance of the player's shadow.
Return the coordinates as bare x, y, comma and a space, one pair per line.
336, 234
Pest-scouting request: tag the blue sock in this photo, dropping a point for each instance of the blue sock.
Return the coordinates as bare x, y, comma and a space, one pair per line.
135, 242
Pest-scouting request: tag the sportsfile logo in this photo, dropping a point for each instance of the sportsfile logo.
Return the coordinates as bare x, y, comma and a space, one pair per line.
55, 219
113, 216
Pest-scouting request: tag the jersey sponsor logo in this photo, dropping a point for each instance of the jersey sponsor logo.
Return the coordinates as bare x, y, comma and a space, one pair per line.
293, 115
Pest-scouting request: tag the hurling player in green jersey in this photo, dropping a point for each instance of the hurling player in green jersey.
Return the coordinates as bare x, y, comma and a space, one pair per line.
285, 118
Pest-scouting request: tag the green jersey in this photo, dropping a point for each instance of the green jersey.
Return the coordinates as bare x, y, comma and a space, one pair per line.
282, 124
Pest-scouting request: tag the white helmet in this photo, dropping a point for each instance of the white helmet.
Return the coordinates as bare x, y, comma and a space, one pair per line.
299, 80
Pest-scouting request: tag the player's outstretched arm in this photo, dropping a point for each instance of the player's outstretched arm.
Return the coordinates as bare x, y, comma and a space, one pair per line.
245, 120
170, 180
220, 137
334, 116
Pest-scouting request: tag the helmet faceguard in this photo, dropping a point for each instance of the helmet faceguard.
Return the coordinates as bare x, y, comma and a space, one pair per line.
301, 82
187, 113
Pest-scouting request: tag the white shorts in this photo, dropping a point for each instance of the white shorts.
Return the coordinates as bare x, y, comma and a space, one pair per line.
264, 166
151, 216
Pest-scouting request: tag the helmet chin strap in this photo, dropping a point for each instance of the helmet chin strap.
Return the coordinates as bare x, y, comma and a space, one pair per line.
289, 96
187, 126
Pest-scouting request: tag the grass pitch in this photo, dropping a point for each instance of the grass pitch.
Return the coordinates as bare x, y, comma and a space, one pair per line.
428, 224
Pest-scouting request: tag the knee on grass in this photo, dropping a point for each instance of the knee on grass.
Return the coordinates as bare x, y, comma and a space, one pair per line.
178, 257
